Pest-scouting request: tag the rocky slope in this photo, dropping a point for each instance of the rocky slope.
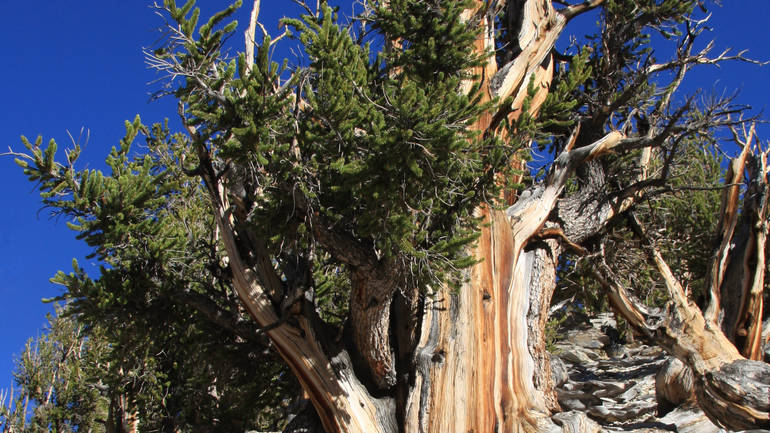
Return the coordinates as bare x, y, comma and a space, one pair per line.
605, 386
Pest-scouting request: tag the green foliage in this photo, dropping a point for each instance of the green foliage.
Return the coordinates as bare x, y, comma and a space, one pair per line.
434, 42
553, 332
162, 298
391, 159
376, 149
380, 151
686, 219
559, 111
60, 381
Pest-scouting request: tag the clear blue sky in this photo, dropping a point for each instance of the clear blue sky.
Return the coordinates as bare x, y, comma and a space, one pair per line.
69, 65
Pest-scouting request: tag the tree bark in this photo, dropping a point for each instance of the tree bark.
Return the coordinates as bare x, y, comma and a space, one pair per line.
736, 278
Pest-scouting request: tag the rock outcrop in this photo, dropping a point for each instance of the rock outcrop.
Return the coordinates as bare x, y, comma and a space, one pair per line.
606, 386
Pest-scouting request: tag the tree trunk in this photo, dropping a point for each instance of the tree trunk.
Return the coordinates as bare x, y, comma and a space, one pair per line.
472, 359
482, 347
737, 272
467, 360
119, 418
455, 361
732, 391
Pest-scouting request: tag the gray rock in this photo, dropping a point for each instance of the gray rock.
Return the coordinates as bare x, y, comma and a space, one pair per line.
576, 422
559, 371
589, 338
690, 420
576, 354
572, 404
604, 320
622, 413
609, 388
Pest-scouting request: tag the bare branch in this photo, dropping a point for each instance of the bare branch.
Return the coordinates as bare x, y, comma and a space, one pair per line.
727, 225
635, 313
558, 233
250, 35
571, 12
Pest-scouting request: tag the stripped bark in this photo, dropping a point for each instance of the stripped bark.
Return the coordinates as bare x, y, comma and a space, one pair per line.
736, 275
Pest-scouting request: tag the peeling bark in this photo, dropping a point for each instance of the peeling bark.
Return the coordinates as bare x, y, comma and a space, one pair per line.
474, 359
474, 347
742, 289
370, 307
541, 286
342, 402
736, 276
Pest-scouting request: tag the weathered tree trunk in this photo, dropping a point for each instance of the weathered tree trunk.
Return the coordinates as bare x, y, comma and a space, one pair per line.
119, 418
467, 360
732, 391
480, 362
481, 348
473, 359
673, 386
737, 272
464, 360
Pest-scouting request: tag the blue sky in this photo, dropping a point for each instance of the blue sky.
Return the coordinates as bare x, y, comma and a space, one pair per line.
79, 64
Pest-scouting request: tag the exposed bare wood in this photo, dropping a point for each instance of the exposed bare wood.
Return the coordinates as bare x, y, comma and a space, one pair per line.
341, 400
731, 390
341, 403
737, 270
250, 35
633, 311
484, 46
474, 347
727, 224
483, 343
743, 287
751, 320
476, 343
752, 316
674, 385
736, 395
558, 233
541, 27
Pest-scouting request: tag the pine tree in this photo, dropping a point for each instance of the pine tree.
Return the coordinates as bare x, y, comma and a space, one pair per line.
58, 378
368, 215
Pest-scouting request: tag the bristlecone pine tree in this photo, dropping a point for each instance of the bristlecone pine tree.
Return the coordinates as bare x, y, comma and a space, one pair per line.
58, 377
373, 210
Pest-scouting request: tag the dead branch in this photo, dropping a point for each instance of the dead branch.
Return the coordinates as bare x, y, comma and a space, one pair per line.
572, 11
251, 33
727, 224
